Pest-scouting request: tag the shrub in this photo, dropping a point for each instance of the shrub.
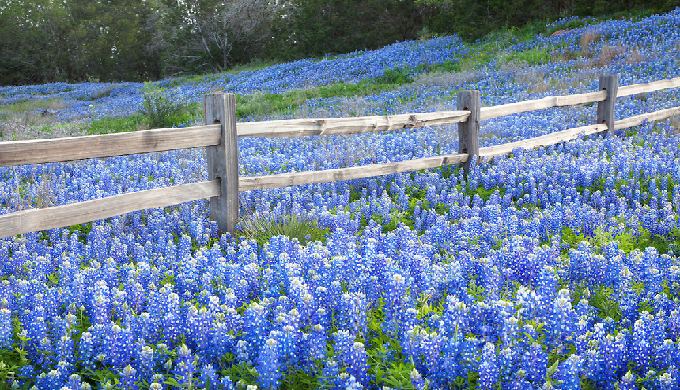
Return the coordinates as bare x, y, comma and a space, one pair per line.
159, 110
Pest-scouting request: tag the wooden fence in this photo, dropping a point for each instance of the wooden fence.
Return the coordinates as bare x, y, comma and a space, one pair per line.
220, 132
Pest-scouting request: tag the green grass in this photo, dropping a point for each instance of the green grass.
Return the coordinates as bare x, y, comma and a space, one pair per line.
265, 104
294, 227
110, 125
116, 125
627, 241
30, 105
531, 57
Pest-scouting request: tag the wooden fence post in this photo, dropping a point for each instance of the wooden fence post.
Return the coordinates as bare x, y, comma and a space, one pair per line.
468, 131
605, 109
223, 159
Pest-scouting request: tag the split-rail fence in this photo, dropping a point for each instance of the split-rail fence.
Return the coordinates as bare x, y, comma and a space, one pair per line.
220, 132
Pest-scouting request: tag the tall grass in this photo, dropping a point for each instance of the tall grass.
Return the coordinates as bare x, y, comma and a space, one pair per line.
261, 228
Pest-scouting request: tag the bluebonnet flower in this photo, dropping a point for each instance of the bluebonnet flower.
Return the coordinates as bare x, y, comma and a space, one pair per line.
146, 360
52, 380
455, 323
508, 362
569, 373
157, 382
417, 380
86, 349
64, 349
226, 383
535, 364
209, 376
128, 378
488, 369
254, 324
185, 366
628, 381
74, 381
268, 365
6, 328
317, 341
330, 374
395, 295
562, 319
354, 312
350, 382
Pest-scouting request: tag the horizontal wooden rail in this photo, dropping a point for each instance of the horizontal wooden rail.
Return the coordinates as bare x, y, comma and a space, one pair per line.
542, 141
540, 104
652, 116
359, 172
356, 125
107, 145
91, 210
648, 87
569, 134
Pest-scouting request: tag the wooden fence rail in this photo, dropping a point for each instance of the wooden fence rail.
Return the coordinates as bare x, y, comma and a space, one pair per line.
220, 132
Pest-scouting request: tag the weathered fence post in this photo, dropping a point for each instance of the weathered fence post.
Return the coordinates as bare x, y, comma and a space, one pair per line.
468, 131
605, 109
223, 159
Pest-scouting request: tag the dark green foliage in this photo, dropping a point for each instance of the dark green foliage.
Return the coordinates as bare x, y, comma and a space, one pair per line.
201, 36
76, 40
473, 19
82, 230
319, 27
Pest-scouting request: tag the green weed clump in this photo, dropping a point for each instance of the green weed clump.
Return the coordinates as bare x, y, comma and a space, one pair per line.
262, 229
160, 110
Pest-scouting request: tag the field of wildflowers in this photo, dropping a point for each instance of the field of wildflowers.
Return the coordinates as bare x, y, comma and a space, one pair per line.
557, 268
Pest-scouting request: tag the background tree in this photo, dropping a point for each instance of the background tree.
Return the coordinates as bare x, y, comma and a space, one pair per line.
473, 19
211, 35
316, 27
75, 40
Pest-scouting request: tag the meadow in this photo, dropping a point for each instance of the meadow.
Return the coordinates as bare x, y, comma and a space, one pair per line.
556, 268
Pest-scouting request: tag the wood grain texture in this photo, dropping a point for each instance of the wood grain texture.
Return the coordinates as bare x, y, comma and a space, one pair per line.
649, 87
468, 131
222, 159
652, 116
605, 109
94, 146
331, 175
540, 104
542, 141
335, 126
61, 216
